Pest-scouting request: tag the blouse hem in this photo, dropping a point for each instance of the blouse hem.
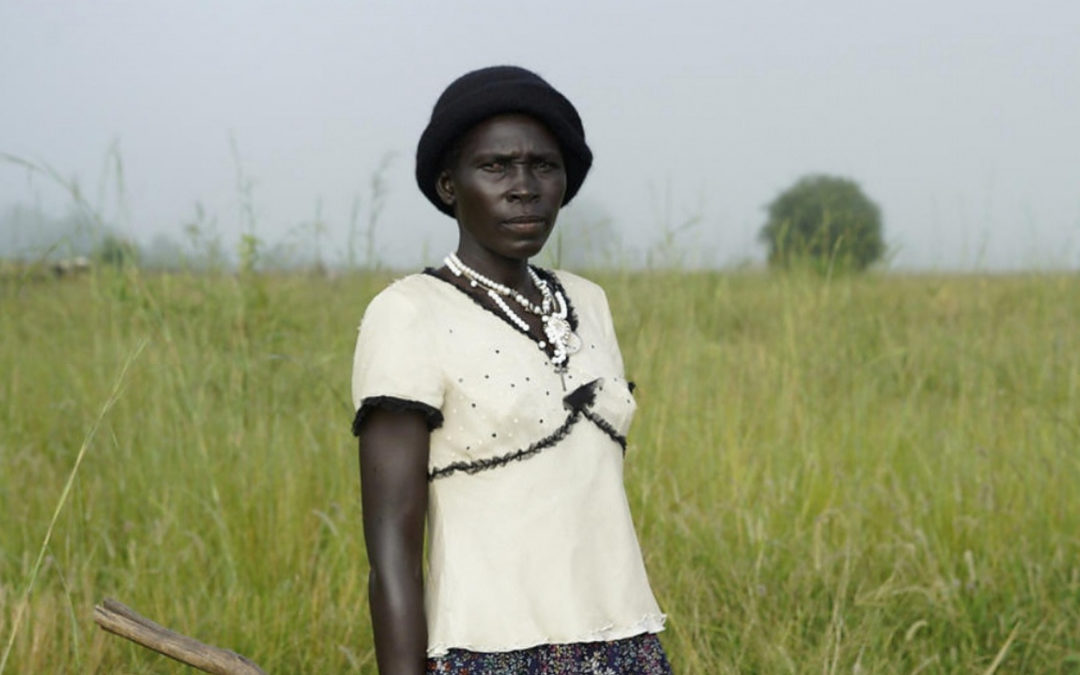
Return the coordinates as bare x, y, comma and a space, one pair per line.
650, 623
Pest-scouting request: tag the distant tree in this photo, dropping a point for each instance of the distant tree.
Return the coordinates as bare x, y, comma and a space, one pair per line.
825, 221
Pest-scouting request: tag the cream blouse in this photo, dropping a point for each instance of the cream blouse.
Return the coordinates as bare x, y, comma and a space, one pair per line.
530, 539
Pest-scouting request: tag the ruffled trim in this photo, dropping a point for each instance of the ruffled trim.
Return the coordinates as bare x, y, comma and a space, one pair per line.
650, 623
581, 400
606, 427
478, 465
433, 417
578, 402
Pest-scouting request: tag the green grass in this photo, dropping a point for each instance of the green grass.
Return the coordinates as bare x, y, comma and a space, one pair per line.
875, 474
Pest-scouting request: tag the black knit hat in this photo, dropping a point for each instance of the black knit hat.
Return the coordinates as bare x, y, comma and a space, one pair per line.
484, 93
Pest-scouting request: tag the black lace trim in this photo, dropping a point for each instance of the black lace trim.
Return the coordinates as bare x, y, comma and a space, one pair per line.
479, 465
571, 315
582, 397
577, 402
606, 427
432, 416
581, 400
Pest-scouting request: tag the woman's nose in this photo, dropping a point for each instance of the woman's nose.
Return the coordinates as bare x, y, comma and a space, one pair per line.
523, 186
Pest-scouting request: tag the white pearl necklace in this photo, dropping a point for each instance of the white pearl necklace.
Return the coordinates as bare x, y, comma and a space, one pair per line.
553, 309
476, 279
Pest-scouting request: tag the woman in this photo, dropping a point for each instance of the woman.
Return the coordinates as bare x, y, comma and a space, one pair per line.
490, 399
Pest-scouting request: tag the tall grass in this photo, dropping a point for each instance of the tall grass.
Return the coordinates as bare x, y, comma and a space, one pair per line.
874, 474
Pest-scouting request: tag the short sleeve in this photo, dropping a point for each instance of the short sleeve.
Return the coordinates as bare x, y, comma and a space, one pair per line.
395, 364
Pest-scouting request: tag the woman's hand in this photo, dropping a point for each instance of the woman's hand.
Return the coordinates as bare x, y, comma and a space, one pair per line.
393, 480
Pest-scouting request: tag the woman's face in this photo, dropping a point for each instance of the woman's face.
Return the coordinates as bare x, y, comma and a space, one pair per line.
506, 188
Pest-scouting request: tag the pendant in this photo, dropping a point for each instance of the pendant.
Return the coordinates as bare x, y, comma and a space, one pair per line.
558, 332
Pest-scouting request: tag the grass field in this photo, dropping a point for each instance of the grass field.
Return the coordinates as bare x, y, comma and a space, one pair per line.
858, 475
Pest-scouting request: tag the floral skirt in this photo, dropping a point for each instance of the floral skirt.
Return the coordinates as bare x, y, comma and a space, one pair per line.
639, 655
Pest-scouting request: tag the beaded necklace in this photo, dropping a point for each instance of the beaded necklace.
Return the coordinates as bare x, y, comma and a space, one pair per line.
552, 310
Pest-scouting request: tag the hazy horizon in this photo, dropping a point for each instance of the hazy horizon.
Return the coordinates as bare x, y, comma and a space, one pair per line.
958, 119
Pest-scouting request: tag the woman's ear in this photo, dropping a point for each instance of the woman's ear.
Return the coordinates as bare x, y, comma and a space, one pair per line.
444, 186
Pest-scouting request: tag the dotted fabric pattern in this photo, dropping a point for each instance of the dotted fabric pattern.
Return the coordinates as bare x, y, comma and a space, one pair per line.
530, 536
639, 655
487, 390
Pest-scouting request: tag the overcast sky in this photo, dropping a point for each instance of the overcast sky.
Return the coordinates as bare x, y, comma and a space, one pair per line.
961, 119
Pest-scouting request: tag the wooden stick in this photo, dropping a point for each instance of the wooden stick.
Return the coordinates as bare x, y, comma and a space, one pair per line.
119, 619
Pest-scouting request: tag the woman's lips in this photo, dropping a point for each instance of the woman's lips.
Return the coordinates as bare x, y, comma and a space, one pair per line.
526, 225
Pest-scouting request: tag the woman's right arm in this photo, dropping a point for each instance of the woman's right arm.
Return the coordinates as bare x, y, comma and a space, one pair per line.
393, 479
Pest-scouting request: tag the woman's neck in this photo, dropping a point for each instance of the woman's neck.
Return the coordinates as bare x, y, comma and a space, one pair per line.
510, 272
